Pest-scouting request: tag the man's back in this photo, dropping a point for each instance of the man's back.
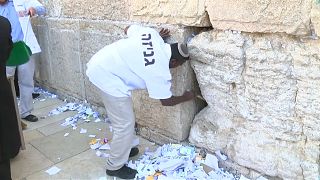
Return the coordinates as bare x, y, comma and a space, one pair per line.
138, 62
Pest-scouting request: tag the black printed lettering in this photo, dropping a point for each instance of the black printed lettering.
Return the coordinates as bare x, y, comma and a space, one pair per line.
145, 54
146, 39
147, 43
148, 53
148, 62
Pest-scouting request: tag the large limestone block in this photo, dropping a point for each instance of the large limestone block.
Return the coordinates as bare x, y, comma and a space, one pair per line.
260, 151
173, 122
310, 166
211, 130
268, 16
53, 7
263, 101
100, 9
43, 67
61, 56
307, 64
185, 12
315, 16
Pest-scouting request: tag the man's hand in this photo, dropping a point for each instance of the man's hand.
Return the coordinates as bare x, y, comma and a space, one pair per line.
32, 11
174, 100
164, 33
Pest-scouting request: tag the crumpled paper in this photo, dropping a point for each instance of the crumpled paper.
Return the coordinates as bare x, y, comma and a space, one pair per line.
176, 161
84, 113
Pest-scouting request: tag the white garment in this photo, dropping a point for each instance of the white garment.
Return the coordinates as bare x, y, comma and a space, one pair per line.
139, 62
29, 36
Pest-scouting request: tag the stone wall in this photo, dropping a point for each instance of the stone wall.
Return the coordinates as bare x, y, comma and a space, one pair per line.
256, 63
73, 31
262, 101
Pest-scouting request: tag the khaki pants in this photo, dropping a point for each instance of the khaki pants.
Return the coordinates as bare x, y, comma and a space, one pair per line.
121, 115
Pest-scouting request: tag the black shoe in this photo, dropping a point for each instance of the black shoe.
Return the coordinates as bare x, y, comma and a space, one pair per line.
31, 118
134, 151
123, 173
35, 95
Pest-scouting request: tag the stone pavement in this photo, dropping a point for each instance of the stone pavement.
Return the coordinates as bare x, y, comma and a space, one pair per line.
46, 146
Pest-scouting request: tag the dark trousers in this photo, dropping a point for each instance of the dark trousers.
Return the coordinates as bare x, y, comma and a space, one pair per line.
5, 172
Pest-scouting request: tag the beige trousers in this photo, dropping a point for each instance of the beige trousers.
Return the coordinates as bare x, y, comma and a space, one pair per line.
121, 115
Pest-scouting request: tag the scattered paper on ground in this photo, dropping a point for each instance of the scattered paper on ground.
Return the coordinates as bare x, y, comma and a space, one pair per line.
53, 170
171, 161
83, 131
84, 113
175, 161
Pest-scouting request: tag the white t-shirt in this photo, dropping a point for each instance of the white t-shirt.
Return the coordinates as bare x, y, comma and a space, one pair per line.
140, 61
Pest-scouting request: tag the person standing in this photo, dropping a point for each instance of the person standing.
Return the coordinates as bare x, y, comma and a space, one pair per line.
141, 61
25, 10
10, 141
8, 11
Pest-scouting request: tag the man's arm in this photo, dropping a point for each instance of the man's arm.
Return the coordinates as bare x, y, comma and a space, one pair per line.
35, 7
174, 100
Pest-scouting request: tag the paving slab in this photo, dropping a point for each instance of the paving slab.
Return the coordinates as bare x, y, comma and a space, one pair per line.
31, 135
39, 104
47, 146
28, 162
55, 127
48, 119
57, 147
43, 112
85, 165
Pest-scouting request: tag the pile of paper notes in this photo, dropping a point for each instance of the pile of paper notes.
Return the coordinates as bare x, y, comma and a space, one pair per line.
176, 161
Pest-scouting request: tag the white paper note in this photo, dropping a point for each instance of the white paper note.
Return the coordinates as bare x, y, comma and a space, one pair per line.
83, 131
53, 170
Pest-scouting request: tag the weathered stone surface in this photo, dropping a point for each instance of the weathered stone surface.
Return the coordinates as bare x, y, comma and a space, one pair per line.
260, 151
263, 102
315, 16
100, 9
185, 12
171, 121
54, 8
66, 64
60, 56
43, 67
262, 90
65, 57
268, 16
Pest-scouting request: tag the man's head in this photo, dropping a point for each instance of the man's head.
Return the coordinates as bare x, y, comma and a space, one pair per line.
179, 54
3, 2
